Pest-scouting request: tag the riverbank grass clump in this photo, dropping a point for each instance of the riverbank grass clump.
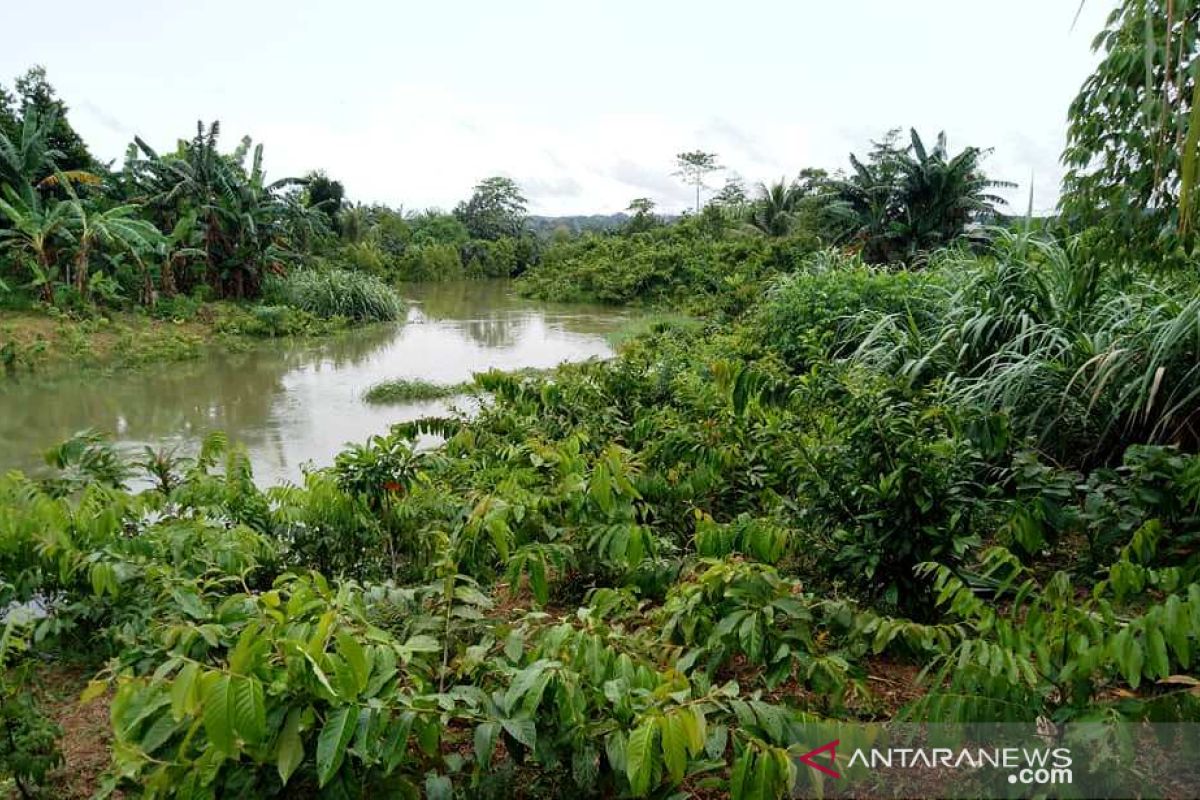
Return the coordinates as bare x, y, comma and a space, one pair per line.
405, 390
338, 293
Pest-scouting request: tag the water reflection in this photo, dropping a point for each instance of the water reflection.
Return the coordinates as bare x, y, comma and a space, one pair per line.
297, 401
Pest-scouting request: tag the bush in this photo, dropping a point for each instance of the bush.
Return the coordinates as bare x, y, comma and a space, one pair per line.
275, 321
178, 307
28, 739
683, 262
488, 259
826, 309
339, 293
430, 262
891, 483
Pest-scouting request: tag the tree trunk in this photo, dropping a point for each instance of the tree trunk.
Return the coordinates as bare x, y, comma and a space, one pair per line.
48, 286
81, 268
167, 279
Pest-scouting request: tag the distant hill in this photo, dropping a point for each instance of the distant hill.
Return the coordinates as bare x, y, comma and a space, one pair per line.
544, 226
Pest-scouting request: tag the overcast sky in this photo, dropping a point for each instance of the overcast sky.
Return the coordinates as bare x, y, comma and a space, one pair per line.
583, 102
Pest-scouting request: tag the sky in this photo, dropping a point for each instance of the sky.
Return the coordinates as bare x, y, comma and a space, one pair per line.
583, 103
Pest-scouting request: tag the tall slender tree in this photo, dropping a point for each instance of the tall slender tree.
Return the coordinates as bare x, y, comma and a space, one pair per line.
694, 167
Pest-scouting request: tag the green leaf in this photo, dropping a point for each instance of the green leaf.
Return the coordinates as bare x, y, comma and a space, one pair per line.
485, 743
249, 709
514, 646
1158, 665
183, 690
537, 580
331, 744
522, 729
218, 711
674, 745
349, 649
639, 758
438, 787
1176, 630
159, 732
289, 752
743, 766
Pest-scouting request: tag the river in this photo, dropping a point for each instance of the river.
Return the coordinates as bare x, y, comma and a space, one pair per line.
298, 401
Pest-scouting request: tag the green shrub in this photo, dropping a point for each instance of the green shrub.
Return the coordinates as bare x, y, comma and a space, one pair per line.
432, 261
490, 259
28, 738
678, 263
178, 307
890, 483
827, 308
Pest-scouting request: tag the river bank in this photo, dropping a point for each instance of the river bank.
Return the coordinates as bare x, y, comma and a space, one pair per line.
41, 341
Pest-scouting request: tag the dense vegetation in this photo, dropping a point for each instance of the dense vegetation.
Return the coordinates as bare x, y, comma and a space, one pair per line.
166, 233
894, 208
909, 450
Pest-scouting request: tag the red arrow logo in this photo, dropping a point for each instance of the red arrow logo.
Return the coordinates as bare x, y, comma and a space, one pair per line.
830, 748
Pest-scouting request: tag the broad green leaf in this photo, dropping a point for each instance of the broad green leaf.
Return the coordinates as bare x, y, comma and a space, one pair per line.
485, 742
349, 649
639, 758
522, 729
438, 787
289, 752
332, 742
249, 709
218, 711
674, 745
183, 690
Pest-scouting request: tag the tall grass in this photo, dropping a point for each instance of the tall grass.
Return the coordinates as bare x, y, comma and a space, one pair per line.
330, 293
1082, 359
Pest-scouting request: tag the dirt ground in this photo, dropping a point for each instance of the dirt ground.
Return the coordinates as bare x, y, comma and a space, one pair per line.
87, 734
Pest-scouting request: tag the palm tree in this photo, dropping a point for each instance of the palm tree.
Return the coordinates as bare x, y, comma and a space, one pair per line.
863, 206
943, 195
906, 201
774, 210
34, 229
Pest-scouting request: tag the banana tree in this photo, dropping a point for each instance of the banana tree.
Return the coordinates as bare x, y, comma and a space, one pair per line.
237, 214
24, 158
117, 226
35, 228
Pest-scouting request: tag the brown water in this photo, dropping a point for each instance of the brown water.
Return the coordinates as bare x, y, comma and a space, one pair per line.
296, 401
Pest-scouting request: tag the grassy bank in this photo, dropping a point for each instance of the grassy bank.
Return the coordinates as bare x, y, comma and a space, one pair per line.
305, 304
36, 340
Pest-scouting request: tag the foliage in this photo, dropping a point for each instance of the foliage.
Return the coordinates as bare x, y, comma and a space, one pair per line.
28, 739
496, 209
694, 167
826, 308
664, 264
324, 194
338, 293
642, 576
1131, 143
903, 202
403, 390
